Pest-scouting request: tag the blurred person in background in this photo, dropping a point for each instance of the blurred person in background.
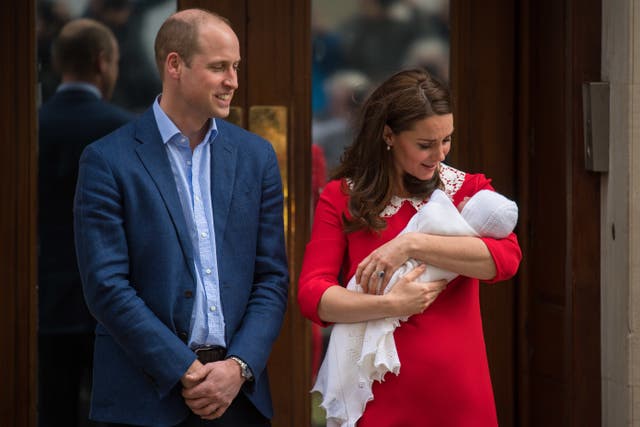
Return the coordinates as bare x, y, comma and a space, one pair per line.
333, 130
376, 38
86, 55
431, 54
139, 82
327, 58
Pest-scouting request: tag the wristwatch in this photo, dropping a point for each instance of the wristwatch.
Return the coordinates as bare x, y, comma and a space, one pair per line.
244, 368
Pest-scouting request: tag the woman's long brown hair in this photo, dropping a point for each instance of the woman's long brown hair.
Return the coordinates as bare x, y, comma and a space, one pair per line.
399, 102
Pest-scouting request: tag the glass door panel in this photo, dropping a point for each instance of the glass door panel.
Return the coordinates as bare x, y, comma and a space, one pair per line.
355, 45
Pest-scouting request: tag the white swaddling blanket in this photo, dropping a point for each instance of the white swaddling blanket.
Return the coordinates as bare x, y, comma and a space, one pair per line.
359, 353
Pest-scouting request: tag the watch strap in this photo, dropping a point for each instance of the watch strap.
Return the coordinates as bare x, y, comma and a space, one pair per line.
244, 368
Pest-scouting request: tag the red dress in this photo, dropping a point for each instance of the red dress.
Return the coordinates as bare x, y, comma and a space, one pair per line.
444, 378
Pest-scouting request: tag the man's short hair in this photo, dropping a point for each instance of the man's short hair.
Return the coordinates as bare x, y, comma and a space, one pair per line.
77, 47
179, 34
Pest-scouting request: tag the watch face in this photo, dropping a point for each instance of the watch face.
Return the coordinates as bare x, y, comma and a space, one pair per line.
245, 372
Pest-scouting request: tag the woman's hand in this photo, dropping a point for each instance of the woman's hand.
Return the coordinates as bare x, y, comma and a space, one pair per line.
413, 297
375, 270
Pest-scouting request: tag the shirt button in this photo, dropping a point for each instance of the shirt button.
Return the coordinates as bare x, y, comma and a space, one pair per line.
189, 162
203, 234
208, 271
212, 308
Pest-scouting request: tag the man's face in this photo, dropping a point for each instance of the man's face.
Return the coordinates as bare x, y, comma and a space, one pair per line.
209, 82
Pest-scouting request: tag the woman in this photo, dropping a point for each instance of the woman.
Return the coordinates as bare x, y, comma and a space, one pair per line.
390, 170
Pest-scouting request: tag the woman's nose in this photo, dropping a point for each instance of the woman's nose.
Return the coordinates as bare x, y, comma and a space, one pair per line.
443, 153
439, 153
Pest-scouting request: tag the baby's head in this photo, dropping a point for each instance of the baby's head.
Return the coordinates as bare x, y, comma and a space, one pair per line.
490, 214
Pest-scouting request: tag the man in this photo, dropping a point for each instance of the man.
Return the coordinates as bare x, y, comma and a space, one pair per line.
180, 242
86, 55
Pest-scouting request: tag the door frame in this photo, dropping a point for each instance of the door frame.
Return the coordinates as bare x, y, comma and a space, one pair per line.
18, 210
480, 100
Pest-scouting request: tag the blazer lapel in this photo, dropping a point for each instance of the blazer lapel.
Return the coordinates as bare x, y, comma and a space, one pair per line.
153, 156
223, 172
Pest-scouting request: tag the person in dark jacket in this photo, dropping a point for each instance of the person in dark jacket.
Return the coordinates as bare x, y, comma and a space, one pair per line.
86, 55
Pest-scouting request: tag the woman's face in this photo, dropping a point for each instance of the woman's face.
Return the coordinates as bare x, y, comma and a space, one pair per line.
420, 150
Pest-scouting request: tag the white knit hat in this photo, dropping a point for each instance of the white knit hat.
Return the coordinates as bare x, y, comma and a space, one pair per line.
491, 214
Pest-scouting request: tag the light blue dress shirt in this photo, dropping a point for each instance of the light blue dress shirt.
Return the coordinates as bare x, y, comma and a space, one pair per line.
192, 173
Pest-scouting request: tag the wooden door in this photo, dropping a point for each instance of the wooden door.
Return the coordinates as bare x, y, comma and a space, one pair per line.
483, 83
559, 308
18, 216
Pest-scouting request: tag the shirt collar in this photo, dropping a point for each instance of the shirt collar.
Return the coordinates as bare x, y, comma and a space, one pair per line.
169, 130
87, 87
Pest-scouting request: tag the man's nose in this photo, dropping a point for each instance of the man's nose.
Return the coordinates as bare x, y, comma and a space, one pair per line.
231, 79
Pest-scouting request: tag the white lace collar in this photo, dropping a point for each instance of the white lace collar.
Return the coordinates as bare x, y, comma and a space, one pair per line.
452, 179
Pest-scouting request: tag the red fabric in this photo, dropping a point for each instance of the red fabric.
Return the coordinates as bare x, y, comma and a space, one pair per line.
318, 180
444, 378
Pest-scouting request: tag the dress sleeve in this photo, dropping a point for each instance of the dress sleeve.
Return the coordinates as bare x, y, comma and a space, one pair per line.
505, 252
324, 254
506, 256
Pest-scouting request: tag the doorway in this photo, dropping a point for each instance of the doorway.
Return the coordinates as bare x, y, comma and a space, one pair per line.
494, 47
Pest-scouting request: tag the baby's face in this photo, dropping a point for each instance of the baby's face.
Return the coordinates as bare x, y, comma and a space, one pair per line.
462, 203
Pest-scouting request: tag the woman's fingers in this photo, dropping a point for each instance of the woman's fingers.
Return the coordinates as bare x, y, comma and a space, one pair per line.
368, 275
415, 273
437, 286
433, 290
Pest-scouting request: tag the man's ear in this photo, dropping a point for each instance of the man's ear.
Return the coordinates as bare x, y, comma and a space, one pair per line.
102, 63
173, 65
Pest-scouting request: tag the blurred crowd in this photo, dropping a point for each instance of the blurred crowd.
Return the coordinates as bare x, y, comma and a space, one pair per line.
354, 53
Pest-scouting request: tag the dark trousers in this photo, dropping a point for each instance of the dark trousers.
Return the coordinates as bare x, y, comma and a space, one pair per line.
241, 413
64, 379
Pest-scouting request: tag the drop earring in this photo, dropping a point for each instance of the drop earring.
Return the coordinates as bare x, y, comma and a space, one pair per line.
388, 147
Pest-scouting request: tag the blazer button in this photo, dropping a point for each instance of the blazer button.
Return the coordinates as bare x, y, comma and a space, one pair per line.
188, 294
183, 336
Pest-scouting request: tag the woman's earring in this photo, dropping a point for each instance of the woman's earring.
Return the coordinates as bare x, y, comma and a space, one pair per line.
388, 147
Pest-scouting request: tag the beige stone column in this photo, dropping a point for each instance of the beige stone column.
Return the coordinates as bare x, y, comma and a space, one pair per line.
620, 229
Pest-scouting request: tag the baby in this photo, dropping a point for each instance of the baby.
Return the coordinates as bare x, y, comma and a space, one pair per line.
359, 353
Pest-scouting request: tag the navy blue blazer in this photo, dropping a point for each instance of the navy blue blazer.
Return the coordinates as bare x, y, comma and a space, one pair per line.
136, 264
69, 121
